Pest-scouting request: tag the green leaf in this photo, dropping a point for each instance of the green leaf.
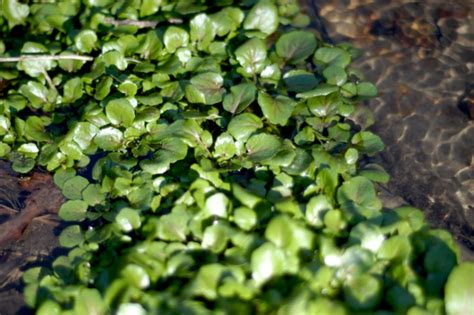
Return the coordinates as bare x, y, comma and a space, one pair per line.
316, 208
174, 38
277, 110
109, 139
22, 164
205, 88
103, 88
85, 41
202, 31
215, 238
252, 56
321, 90
71, 236
227, 20
128, 219
120, 112
357, 196
262, 147
171, 150
245, 218
62, 175
150, 46
397, 248
217, 205
92, 195
149, 7
224, 147
367, 142
89, 302
299, 81
15, 12
242, 95
173, 227
335, 75
36, 93
363, 292
115, 58
296, 46
73, 210
459, 289
243, 125
268, 261
333, 56
35, 68
289, 235
207, 280
73, 90
128, 88
73, 187
262, 17
366, 89
136, 276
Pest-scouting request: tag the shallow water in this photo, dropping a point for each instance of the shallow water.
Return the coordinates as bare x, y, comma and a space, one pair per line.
420, 54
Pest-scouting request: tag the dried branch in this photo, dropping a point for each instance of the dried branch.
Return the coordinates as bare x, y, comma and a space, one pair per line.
45, 57
140, 24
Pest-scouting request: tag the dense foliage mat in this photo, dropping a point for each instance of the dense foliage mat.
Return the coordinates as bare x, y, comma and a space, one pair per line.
216, 160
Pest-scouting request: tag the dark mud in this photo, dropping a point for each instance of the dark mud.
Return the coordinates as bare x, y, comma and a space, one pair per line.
29, 229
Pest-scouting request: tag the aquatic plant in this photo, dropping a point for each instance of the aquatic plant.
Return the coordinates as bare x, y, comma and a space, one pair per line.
216, 159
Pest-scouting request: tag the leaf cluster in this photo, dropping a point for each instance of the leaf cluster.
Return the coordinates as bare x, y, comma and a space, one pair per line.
221, 165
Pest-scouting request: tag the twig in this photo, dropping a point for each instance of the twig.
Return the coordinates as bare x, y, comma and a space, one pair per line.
45, 57
140, 24
50, 82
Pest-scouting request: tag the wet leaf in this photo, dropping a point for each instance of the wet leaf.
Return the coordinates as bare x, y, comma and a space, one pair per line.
71, 236
174, 38
262, 17
149, 7
73, 210
15, 12
202, 31
262, 147
73, 187
242, 95
215, 238
109, 139
363, 292
242, 126
73, 90
128, 219
335, 75
85, 41
357, 196
267, 261
296, 46
252, 56
276, 109
205, 88
171, 150
333, 56
367, 142
316, 208
366, 89
120, 112
459, 290
245, 218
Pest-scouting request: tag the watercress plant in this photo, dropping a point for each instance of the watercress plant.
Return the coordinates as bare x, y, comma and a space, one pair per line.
216, 160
